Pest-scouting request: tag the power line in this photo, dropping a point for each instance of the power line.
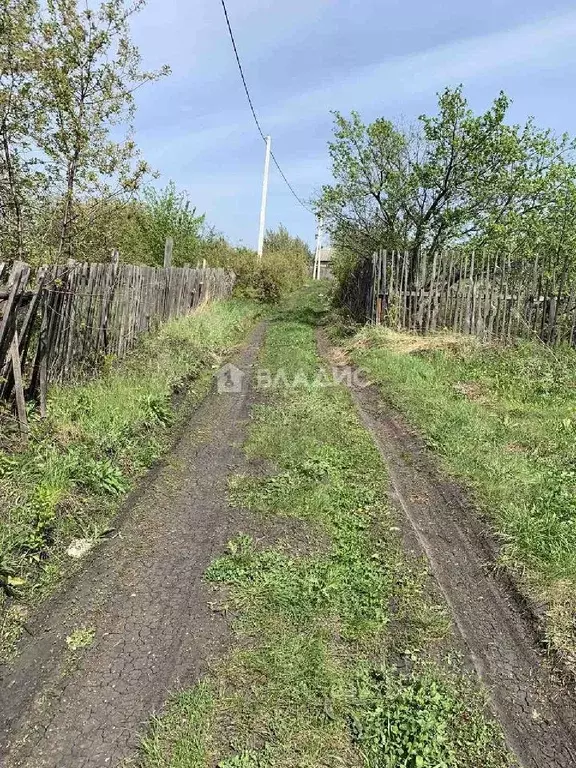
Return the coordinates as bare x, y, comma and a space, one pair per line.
254, 115
261, 132
289, 185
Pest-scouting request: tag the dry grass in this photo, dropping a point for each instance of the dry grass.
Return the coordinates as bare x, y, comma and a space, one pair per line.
561, 615
471, 390
409, 343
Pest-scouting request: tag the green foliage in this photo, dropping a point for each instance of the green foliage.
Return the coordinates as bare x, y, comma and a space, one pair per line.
292, 248
19, 60
284, 266
265, 284
159, 214
246, 759
103, 477
179, 736
286, 261
80, 638
343, 263
42, 509
99, 436
419, 720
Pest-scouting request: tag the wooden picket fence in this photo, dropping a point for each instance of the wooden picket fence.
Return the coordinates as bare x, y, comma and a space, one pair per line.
484, 294
59, 322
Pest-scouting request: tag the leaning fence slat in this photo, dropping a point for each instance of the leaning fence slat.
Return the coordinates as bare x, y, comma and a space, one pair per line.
402, 315
431, 291
18, 387
485, 295
16, 284
492, 297
392, 284
447, 310
24, 334
439, 289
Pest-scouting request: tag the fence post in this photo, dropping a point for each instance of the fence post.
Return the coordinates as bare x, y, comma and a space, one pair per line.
168, 248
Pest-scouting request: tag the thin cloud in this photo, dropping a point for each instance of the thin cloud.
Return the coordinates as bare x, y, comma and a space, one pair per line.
530, 46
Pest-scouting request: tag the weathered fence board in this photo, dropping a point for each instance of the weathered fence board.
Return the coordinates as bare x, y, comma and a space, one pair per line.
59, 322
479, 293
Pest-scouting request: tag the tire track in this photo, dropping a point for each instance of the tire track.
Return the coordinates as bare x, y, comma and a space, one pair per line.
144, 593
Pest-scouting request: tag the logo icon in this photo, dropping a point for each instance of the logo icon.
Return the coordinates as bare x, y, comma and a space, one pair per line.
229, 380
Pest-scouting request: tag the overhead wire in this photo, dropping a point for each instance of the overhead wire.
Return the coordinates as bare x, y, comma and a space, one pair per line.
253, 110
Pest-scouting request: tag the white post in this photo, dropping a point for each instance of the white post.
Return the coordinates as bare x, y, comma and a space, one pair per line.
264, 198
316, 271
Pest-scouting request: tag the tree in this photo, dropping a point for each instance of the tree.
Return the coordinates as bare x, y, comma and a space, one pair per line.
89, 72
67, 76
286, 258
455, 179
281, 240
20, 119
160, 214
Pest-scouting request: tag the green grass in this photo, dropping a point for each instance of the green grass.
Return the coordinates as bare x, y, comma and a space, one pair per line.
502, 418
340, 655
189, 717
99, 437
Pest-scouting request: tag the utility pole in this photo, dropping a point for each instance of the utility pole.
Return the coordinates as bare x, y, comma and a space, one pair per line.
316, 270
264, 198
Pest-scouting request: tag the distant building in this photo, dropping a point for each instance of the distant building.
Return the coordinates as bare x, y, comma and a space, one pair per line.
326, 255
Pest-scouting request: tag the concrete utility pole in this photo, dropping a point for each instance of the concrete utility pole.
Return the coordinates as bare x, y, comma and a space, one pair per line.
316, 270
264, 198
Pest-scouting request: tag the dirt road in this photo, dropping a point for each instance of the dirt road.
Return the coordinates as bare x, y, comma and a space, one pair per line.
144, 596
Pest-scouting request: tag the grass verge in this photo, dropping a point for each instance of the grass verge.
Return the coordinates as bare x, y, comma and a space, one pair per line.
502, 418
68, 481
340, 655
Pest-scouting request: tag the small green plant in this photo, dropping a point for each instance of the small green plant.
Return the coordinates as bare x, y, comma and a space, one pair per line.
42, 511
101, 476
81, 638
266, 284
157, 409
246, 759
8, 578
422, 720
7, 465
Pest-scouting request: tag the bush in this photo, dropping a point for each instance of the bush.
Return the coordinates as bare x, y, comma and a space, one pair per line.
283, 268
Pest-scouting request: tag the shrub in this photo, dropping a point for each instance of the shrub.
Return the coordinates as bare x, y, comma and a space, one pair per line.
282, 269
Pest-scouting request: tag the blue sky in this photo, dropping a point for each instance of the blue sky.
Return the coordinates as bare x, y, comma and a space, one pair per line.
304, 58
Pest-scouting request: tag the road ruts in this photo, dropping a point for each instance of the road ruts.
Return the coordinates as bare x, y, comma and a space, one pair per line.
537, 714
143, 593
